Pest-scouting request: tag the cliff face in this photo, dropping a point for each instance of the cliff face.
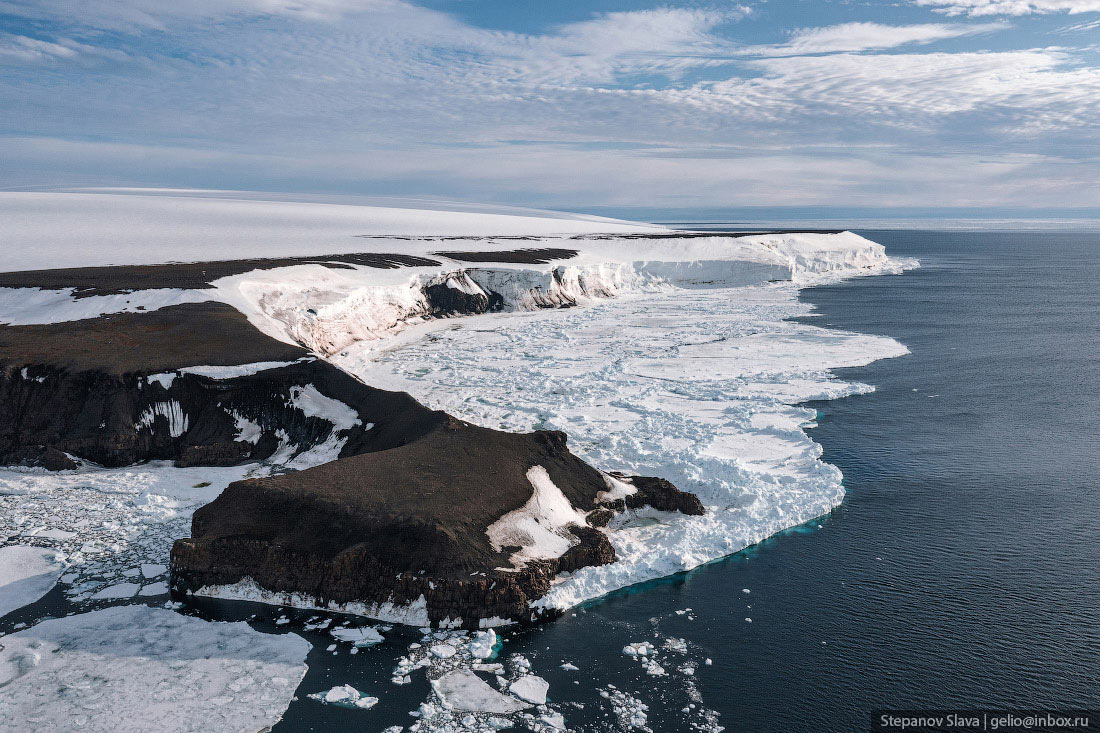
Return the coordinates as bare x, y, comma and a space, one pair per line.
116, 390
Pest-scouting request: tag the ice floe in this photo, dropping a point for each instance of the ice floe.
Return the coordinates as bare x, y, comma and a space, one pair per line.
359, 636
345, 696
27, 574
135, 668
463, 696
108, 522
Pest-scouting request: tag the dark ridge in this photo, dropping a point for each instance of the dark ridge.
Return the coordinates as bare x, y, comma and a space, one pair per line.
190, 334
701, 235
596, 237
534, 256
114, 279
47, 411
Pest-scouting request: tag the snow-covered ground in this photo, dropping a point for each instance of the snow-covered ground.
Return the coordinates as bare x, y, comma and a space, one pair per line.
135, 668
39, 228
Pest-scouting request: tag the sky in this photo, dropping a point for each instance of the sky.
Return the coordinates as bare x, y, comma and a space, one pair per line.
562, 104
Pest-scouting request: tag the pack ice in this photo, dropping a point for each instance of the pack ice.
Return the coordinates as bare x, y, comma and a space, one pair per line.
135, 668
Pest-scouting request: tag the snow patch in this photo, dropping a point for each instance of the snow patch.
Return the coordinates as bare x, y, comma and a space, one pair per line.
246, 589
232, 372
171, 411
540, 527
314, 404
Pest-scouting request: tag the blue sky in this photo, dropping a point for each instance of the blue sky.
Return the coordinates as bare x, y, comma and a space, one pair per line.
566, 104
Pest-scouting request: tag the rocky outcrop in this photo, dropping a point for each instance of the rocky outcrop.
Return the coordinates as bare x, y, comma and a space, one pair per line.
658, 493
115, 390
392, 526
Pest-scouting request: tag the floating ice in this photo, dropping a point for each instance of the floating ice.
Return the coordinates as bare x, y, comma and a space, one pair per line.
462, 689
119, 590
345, 696
141, 668
27, 574
483, 643
360, 637
530, 688
443, 651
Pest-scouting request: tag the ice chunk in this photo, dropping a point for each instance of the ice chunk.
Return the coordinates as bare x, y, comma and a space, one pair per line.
461, 689
345, 696
27, 574
153, 570
481, 646
141, 668
360, 637
443, 651
530, 688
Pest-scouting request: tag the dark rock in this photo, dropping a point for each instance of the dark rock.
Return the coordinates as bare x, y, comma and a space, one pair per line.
660, 494
394, 525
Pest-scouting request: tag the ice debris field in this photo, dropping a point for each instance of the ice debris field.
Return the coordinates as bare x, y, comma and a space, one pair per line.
680, 362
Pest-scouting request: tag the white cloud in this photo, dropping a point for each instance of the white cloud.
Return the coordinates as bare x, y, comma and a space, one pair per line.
138, 14
22, 48
659, 104
1020, 91
849, 37
1010, 7
19, 50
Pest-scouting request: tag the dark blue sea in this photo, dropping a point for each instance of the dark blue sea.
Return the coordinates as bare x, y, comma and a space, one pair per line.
962, 570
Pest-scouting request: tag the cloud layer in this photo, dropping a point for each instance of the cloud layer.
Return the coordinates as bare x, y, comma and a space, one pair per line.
661, 106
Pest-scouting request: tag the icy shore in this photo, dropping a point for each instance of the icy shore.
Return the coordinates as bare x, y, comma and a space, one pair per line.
679, 364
